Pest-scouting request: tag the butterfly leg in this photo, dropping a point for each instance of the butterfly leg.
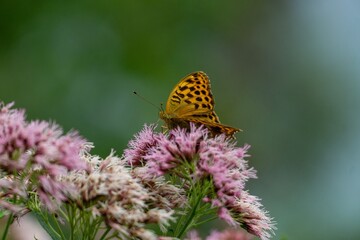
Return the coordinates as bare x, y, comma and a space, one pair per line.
164, 129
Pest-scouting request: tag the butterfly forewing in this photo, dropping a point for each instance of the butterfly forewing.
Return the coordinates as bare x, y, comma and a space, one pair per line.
192, 101
192, 95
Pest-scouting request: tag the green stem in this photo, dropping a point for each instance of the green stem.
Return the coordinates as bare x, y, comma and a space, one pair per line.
96, 227
59, 230
105, 233
70, 214
189, 220
205, 221
10, 220
8, 223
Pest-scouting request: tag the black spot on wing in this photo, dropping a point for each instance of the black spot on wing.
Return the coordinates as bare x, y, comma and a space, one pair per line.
175, 99
180, 95
205, 105
213, 117
183, 88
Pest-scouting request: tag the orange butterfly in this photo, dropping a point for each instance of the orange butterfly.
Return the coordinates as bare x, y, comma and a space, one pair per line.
191, 100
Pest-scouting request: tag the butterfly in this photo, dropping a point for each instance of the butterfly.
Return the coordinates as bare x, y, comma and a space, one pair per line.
191, 100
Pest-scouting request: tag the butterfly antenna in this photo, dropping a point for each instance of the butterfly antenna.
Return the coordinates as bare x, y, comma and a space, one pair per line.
161, 107
152, 104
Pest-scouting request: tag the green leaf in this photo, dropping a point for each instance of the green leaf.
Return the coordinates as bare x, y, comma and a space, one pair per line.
46, 225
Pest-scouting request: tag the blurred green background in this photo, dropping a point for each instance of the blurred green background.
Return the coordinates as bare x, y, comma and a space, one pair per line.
286, 72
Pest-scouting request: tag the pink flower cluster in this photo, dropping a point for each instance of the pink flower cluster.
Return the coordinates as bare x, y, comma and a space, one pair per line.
33, 155
228, 234
120, 197
217, 159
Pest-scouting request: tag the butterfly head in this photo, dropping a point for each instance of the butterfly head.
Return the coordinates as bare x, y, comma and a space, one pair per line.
167, 118
162, 115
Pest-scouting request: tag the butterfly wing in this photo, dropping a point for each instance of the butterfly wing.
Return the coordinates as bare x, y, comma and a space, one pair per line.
191, 100
191, 96
216, 128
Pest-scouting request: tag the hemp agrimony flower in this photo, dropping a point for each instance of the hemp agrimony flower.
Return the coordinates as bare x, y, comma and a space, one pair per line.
212, 171
112, 192
33, 155
228, 234
162, 187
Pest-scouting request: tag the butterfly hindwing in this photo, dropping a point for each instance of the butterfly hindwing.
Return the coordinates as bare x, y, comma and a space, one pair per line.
216, 128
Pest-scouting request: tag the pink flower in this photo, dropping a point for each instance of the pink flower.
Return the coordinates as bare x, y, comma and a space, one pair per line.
139, 147
36, 154
193, 235
127, 205
192, 154
229, 234
248, 210
174, 150
225, 215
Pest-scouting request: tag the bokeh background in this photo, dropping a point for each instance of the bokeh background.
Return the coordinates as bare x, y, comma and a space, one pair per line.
286, 72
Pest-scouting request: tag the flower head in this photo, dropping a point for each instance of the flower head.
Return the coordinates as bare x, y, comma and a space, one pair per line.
139, 147
121, 198
227, 234
35, 154
250, 213
197, 158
